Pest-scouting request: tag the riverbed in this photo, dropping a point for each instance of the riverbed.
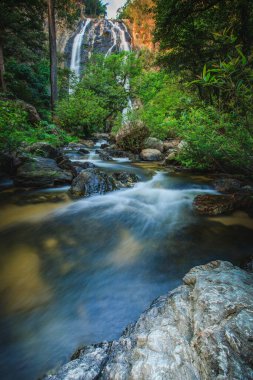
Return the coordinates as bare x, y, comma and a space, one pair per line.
78, 272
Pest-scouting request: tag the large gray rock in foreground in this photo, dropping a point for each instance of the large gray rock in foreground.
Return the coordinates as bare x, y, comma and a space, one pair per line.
201, 330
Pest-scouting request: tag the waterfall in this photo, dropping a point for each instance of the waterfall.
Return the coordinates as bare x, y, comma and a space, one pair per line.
103, 37
75, 64
124, 45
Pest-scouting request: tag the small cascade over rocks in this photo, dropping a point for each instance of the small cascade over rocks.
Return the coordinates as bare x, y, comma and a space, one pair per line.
95, 36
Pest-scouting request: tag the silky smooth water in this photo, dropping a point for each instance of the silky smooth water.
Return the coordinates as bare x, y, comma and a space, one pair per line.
79, 272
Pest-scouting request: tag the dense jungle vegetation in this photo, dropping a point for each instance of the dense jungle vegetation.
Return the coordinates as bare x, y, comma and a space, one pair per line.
196, 85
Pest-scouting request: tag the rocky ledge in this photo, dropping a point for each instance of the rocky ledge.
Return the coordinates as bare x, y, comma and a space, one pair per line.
201, 330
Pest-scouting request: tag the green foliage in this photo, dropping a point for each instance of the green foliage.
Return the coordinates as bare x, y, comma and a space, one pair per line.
101, 94
229, 84
189, 32
214, 140
83, 113
29, 82
162, 99
15, 129
23, 42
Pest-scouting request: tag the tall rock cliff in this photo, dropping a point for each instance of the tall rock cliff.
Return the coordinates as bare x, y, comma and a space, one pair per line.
138, 15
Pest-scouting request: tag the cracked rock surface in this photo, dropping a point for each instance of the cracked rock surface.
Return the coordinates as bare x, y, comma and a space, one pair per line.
201, 330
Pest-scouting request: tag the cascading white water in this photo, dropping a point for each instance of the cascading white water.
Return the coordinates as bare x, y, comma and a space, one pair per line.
114, 36
124, 44
75, 64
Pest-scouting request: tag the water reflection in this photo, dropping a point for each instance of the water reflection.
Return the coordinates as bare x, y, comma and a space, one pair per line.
22, 286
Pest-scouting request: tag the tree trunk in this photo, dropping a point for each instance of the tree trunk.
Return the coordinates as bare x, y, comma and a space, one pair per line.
2, 81
53, 52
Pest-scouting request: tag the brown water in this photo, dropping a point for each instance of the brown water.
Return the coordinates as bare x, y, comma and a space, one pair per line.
75, 273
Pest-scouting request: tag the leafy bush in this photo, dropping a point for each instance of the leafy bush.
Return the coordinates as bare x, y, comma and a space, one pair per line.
162, 100
132, 135
29, 82
15, 129
83, 113
215, 140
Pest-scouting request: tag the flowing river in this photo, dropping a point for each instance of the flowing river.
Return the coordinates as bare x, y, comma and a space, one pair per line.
75, 273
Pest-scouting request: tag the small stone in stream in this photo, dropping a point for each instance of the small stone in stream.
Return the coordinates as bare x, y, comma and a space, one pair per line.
151, 155
212, 205
80, 166
84, 165
104, 156
103, 146
227, 185
124, 179
42, 149
78, 147
87, 143
41, 172
90, 182
114, 152
84, 151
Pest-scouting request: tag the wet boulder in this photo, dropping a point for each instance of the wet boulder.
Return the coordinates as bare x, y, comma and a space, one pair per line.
41, 172
75, 167
86, 143
79, 147
90, 182
103, 146
214, 204
43, 149
79, 166
103, 155
124, 179
153, 143
230, 185
151, 155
